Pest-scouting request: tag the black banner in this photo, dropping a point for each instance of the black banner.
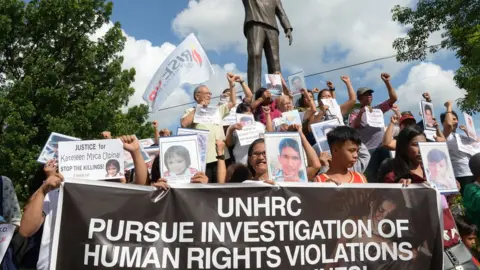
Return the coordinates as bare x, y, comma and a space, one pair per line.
113, 226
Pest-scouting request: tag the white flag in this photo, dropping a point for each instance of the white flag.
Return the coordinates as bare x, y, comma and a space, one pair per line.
188, 63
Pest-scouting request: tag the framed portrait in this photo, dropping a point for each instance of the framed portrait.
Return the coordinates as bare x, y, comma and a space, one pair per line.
285, 157
320, 131
296, 82
472, 133
245, 119
202, 142
274, 84
179, 158
50, 149
438, 166
152, 152
428, 115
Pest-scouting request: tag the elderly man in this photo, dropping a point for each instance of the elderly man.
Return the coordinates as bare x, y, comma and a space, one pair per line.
202, 96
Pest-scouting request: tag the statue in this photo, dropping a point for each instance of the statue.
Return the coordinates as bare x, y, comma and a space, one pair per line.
261, 30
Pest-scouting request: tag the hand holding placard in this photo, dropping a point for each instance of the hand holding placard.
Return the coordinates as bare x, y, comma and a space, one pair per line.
53, 182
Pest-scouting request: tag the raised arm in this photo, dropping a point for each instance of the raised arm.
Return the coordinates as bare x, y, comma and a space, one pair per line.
388, 141
268, 119
352, 97
221, 166
313, 164
132, 145
259, 101
392, 95
156, 135
448, 125
246, 90
233, 91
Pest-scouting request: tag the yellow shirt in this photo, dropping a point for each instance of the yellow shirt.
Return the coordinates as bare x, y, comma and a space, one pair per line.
215, 132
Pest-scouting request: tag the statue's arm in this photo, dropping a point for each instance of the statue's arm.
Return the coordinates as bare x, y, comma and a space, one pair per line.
282, 17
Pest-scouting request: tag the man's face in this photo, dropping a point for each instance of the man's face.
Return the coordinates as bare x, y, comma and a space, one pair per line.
429, 118
346, 152
366, 98
297, 84
203, 96
438, 170
272, 79
290, 161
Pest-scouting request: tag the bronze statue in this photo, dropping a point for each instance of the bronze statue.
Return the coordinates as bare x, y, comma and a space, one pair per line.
261, 30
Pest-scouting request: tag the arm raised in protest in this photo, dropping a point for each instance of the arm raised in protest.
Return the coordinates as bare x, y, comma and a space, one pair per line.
352, 97
131, 144
221, 166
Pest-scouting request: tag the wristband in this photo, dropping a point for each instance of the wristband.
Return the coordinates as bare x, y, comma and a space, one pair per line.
332, 89
241, 82
222, 157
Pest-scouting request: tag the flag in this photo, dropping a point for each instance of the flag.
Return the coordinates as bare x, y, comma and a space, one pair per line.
188, 63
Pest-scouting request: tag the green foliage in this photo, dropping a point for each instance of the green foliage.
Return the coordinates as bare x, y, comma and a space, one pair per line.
459, 23
55, 78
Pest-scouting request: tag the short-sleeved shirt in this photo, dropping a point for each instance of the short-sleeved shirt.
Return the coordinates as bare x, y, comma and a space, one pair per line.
459, 159
50, 205
274, 113
371, 136
215, 132
355, 178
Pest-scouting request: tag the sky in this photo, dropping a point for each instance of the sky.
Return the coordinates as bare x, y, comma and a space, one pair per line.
326, 35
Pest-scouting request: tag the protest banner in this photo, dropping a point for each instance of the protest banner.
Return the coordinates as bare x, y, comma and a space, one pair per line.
92, 160
202, 137
6, 234
247, 226
50, 150
179, 158
188, 63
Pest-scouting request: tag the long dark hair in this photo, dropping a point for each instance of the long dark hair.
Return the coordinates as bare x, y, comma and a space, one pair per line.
250, 153
401, 163
301, 102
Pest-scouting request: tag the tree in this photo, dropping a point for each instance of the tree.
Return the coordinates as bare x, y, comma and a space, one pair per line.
55, 78
459, 23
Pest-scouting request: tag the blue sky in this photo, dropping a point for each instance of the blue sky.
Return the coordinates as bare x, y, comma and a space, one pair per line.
335, 38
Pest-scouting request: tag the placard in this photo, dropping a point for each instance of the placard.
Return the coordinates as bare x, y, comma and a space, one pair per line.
320, 131
230, 118
296, 82
438, 166
202, 142
152, 152
6, 234
333, 108
472, 133
206, 115
146, 142
428, 115
50, 149
467, 145
285, 157
91, 160
288, 118
274, 84
245, 119
129, 164
375, 118
179, 158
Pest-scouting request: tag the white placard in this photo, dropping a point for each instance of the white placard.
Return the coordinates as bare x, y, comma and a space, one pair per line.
428, 115
146, 142
375, 118
430, 134
230, 118
6, 234
296, 82
202, 142
467, 145
179, 158
247, 135
320, 131
50, 150
206, 115
274, 84
438, 166
333, 108
128, 164
285, 157
288, 118
152, 153
472, 133
245, 119
91, 160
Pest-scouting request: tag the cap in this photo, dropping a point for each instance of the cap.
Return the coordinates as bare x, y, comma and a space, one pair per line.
363, 90
406, 117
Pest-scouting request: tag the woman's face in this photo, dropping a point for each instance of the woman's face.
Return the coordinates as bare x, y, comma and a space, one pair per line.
326, 94
382, 211
112, 170
413, 151
258, 159
305, 99
455, 122
176, 164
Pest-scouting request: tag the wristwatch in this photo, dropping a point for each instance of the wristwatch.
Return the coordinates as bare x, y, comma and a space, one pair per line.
222, 157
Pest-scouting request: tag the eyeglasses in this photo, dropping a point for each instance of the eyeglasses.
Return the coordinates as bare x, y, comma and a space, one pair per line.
257, 154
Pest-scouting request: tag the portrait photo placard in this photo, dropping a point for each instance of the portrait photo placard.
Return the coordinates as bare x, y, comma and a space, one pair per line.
438, 166
128, 163
428, 115
202, 142
296, 82
179, 158
285, 157
245, 119
91, 160
249, 131
467, 145
50, 150
274, 84
146, 142
152, 152
472, 133
320, 131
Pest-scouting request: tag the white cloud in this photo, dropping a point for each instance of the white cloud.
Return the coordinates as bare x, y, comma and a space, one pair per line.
431, 78
146, 58
352, 31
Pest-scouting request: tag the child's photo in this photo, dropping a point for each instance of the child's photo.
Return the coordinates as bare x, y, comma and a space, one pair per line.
50, 150
438, 167
245, 119
320, 131
202, 137
179, 158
